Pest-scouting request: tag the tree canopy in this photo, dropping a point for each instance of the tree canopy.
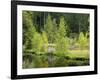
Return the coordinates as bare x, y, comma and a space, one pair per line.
42, 28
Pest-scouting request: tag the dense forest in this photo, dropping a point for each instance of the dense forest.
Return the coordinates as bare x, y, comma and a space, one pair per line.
52, 39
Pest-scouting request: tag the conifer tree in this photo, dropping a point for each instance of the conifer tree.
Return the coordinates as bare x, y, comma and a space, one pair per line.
49, 29
37, 42
61, 40
45, 42
62, 29
82, 40
28, 29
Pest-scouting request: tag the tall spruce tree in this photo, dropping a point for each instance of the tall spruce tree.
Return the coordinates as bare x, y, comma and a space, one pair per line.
37, 42
61, 40
28, 29
83, 41
45, 42
48, 28
62, 29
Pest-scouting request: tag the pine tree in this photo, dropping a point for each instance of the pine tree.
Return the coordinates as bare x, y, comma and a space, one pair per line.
82, 40
49, 29
45, 42
61, 40
37, 42
62, 29
28, 29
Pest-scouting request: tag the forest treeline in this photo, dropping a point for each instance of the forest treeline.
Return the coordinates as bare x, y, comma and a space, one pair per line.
63, 30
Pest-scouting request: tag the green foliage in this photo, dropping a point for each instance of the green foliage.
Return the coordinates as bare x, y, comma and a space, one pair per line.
28, 29
61, 46
40, 42
82, 40
45, 42
76, 58
40, 61
37, 42
62, 29
61, 41
49, 29
77, 22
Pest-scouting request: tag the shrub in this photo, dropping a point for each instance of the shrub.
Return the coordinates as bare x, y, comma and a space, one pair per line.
61, 46
37, 42
45, 42
82, 40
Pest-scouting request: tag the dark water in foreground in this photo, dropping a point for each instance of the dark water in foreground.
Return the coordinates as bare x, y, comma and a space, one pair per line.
51, 60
